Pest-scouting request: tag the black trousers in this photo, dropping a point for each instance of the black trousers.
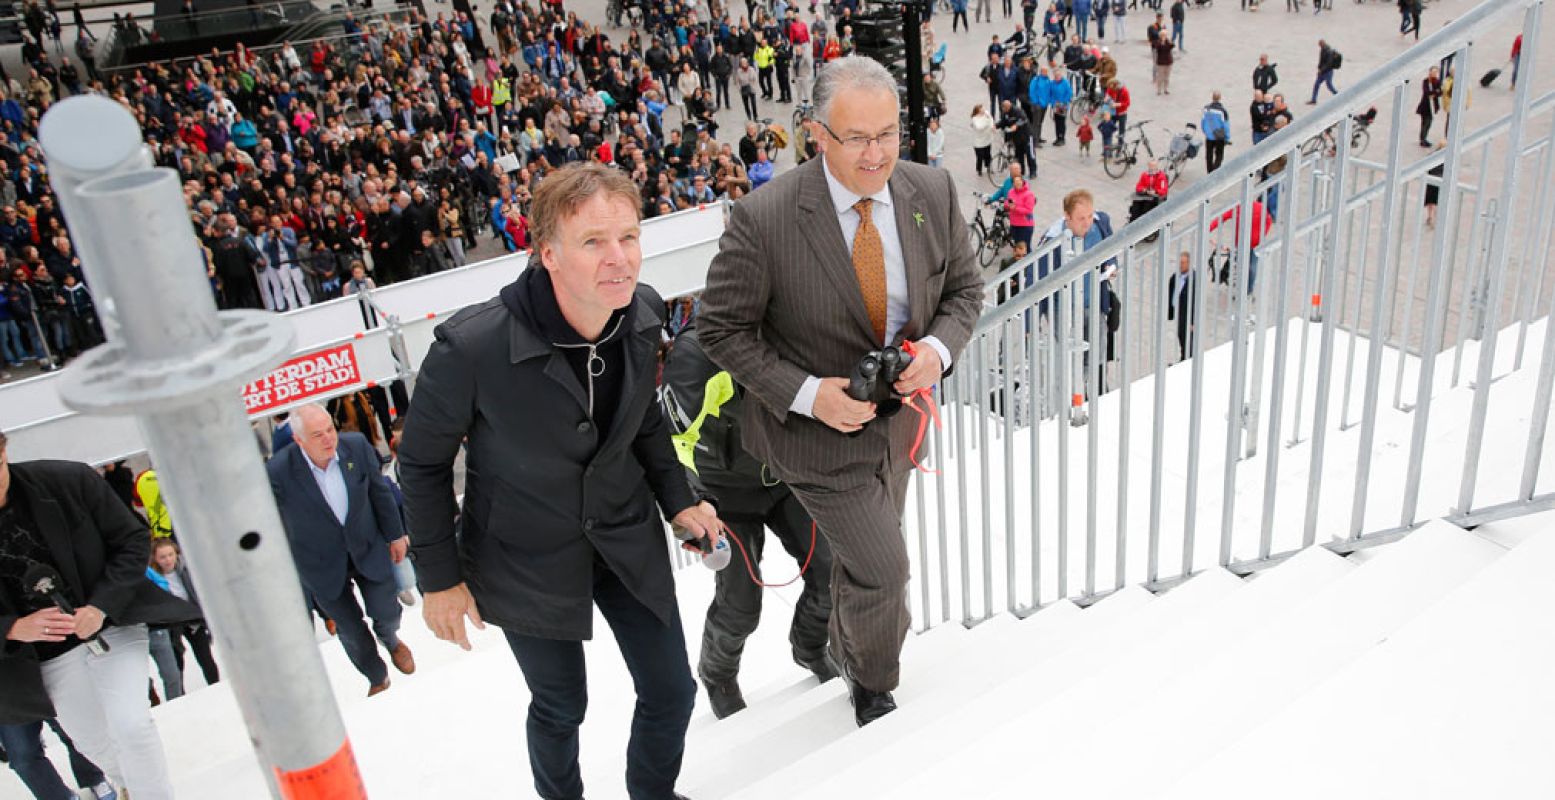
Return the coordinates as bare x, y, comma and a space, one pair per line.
1214, 154
748, 100
785, 90
1425, 127
1060, 124
721, 96
383, 606
984, 157
1038, 114
961, 17
553, 669
764, 80
736, 607
199, 638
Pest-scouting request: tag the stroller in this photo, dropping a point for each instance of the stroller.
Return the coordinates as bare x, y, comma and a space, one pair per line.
1183, 148
1142, 204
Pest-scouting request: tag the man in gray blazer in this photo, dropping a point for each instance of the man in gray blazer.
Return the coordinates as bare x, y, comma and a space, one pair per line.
344, 527
846, 254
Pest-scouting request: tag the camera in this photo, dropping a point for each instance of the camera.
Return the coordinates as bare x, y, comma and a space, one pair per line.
874, 376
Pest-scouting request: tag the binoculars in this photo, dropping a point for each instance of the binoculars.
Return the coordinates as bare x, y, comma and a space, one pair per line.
874, 375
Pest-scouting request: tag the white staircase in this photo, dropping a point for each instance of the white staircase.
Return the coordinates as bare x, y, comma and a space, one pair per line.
1418, 669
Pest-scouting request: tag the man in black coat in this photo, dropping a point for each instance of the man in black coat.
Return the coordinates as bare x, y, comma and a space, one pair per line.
705, 406
549, 390
344, 527
62, 519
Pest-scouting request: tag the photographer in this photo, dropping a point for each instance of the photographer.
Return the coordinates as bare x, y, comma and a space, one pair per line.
88, 666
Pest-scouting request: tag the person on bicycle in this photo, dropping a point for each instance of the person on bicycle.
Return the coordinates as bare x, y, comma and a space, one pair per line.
1117, 93
1153, 182
1017, 134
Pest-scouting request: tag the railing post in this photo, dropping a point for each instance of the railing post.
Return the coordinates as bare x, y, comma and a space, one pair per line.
1235, 394
1436, 303
1497, 265
1196, 401
176, 364
1379, 320
1271, 469
1158, 412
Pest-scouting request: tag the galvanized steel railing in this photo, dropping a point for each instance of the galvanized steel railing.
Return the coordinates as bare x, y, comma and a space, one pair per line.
1040, 456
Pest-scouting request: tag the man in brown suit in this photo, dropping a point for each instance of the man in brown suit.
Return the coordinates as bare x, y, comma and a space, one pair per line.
839, 257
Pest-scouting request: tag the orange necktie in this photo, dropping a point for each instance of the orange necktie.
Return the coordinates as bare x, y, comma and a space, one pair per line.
869, 265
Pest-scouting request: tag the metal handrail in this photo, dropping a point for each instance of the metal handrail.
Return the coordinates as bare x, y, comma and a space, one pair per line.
1335, 110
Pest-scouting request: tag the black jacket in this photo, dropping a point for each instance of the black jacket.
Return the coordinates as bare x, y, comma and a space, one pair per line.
720, 457
101, 549
544, 493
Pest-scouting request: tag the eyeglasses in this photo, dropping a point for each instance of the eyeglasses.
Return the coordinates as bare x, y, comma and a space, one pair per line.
887, 141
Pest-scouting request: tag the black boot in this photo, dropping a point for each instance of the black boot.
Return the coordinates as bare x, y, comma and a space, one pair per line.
724, 697
819, 665
868, 705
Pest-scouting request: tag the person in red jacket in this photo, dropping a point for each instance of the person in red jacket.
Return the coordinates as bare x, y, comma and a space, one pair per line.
1517, 53
480, 97
1260, 225
1153, 181
1117, 94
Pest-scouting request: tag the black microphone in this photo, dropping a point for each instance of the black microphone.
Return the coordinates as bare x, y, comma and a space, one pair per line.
44, 583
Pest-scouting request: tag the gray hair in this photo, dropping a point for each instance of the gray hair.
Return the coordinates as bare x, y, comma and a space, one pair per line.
850, 72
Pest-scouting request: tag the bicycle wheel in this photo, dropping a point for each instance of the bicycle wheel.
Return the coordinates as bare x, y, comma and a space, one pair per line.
1312, 146
1359, 138
998, 168
992, 244
975, 233
1081, 106
1116, 162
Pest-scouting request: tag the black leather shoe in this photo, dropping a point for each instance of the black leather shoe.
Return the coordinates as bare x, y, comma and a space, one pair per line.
868, 705
724, 697
820, 666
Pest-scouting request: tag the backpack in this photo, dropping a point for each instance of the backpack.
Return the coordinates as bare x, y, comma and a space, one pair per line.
1338, 60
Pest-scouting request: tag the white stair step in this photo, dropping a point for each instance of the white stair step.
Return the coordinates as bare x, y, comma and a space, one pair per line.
1457, 703
1088, 705
736, 752
916, 738
1224, 697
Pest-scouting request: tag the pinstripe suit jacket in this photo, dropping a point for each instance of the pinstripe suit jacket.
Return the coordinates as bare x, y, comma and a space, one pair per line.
783, 303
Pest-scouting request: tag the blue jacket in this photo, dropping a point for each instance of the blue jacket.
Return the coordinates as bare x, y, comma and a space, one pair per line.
1082, 8
1101, 228
324, 548
1062, 91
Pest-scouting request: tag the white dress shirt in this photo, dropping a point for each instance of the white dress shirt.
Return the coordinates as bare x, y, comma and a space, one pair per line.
332, 482
898, 309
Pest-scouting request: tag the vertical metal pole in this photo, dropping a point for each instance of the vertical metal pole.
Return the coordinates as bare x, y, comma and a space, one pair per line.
1524, 299
1476, 252
1538, 422
1063, 314
1436, 300
1120, 552
947, 407
1314, 312
1234, 397
86, 137
1097, 351
1497, 267
1036, 391
922, 570
1408, 299
1359, 268
1158, 411
1391, 198
1271, 468
1007, 362
1337, 227
176, 364
962, 468
987, 492
1195, 402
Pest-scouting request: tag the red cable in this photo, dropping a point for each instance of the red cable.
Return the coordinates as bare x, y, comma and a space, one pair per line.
751, 568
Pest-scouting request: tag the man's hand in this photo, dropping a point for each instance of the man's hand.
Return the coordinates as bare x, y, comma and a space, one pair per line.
444, 613
701, 521
924, 371
48, 625
834, 407
87, 622
398, 548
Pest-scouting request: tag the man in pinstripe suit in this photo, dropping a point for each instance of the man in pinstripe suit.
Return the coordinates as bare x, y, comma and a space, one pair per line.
836, 258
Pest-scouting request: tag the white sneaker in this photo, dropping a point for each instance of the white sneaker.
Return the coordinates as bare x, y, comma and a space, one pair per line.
408, 597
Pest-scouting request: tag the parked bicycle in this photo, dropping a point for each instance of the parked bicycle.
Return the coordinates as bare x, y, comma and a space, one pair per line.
1184, 148
988, 237
1117, 159
771, 139
1327, 142
999, 164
